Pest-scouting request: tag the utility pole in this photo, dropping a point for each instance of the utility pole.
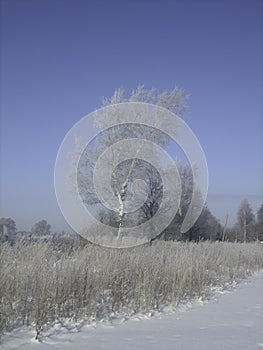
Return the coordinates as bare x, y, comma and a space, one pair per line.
224, 230
245, 228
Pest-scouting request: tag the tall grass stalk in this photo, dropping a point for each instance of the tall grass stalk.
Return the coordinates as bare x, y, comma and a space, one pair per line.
40, 285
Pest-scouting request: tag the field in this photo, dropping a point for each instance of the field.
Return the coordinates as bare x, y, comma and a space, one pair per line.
40, 285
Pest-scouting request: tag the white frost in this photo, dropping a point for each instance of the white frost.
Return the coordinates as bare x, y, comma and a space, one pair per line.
229, 320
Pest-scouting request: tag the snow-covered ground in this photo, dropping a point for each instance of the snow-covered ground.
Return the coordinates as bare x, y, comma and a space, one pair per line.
231, 319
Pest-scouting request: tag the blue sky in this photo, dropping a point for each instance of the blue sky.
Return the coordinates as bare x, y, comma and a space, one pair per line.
58, 58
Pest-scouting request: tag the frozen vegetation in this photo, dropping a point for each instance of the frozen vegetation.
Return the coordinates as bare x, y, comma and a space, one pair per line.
231, 318
41, 286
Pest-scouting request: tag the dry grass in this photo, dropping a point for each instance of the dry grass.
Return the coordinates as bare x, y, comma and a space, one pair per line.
39, 285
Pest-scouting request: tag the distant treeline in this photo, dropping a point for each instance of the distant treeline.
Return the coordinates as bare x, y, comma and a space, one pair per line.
248, 228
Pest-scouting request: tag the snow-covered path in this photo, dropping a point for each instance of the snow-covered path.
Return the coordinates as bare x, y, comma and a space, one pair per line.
233, 319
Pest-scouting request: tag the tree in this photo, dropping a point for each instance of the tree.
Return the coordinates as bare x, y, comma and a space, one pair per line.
260, 223
125, 171
41, 228
206, 227
173, 231
246, 221
232, 233
7, 230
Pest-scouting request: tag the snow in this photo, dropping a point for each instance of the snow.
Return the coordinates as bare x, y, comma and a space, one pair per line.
230, 319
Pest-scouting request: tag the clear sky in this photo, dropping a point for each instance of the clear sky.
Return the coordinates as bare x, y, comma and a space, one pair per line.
59, 57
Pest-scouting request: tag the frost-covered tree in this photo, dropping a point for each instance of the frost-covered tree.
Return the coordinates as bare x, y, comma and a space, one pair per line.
7, 230
260, 223
126, 171
41, 228
246, 221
